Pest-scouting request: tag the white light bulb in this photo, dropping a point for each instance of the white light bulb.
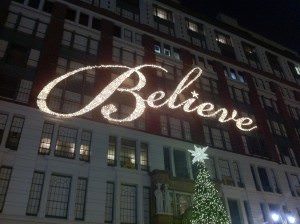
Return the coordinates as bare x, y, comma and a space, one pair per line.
291, 219
275, 217
205, 109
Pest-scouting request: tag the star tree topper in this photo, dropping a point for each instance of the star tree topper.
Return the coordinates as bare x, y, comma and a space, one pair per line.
199, 154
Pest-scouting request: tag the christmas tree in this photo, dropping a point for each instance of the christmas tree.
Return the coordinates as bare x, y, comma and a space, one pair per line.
207, 206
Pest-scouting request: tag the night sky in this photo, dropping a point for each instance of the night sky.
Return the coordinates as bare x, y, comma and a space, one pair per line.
278, 20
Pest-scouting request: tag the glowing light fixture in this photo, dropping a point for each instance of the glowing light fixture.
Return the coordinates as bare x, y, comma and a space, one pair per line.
275, 217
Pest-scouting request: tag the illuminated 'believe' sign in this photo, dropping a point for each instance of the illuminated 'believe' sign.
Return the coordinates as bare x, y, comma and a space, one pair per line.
155, 100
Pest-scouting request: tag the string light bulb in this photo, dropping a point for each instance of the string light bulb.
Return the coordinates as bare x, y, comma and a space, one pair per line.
205, 109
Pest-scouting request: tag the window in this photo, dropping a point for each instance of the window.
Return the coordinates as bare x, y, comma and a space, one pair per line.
223, 38
111, 152
180, 163
248, 212
71, 15
109, 202
297, 68
209, 85
164, 125
80, 42
128, 154
96, 24
274, 181
146, 205
178, 129
167, 160
128, 35
187, 130
117, 31
46, 139
251, 55
128, 206
193, 26
58, 196
274, 63
264, 211
85, 146
144, 156
157, 48
3, 121
84, 19
15, 132
17, 55
264, 179
34, 3
175, 128
5, 175
80, 198
66, 141
239, 95
225, 172
35, 193
237, 174
182, 201
254, 178
33, 58
234, 211
217, 138
210, 165
48, 6
162, 13
24, 90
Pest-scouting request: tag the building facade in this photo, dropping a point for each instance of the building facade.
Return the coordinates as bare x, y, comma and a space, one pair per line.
87, 169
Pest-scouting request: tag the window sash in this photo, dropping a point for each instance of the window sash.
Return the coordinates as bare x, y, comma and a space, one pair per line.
5, 176
35, 193
58, 196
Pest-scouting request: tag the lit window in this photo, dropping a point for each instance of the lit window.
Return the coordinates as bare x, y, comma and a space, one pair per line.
46, 139
182, 203
111, 152
85, 145
66, 140
128, 154
144, 156
167, 50
161, 13
192, 26
297, 68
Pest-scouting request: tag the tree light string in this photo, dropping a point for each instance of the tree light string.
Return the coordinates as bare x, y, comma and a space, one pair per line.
205, 109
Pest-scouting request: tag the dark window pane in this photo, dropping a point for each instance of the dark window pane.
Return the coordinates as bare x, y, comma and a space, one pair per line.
117, 31
180, 162
19, 1
84, 19
234, 212
48, 7
71, 15
34, 3
264, 179
17, 55
96, 24
167, 160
